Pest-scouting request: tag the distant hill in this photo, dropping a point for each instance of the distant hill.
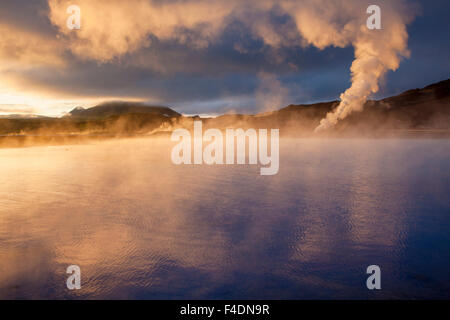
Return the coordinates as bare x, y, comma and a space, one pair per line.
418, 109
120, 108
114, 118
423, 111
426, 109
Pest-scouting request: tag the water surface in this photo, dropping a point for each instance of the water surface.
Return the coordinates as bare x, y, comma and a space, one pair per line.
141, 227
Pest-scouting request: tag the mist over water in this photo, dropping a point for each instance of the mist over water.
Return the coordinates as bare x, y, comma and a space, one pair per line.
142, 227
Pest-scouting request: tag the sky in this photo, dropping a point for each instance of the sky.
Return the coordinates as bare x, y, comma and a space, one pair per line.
208, 56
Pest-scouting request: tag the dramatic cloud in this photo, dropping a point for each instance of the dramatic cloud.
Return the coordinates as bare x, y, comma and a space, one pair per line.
112, 28
201, 51
16, 109
23, 48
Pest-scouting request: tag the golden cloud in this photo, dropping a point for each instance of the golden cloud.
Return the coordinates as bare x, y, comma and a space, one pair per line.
113, 28
21, 49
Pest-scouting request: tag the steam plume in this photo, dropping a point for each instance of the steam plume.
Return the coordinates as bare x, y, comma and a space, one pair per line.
341, 23
270, 94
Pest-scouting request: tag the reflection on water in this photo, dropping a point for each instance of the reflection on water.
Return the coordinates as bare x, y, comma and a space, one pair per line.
141, 227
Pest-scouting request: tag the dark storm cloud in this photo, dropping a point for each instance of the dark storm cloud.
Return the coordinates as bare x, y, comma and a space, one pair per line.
27, 14
225, 73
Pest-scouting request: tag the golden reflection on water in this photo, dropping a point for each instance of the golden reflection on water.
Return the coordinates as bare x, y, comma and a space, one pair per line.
139, 226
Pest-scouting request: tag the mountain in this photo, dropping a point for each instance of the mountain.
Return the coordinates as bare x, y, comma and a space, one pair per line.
426, 109
424, 112
418, 109
121, 108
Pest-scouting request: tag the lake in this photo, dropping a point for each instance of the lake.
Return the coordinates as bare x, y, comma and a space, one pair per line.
140, 227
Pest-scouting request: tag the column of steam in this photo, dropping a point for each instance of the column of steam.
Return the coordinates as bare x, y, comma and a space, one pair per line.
341, 23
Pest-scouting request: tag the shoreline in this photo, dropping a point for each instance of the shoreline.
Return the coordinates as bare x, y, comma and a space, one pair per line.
32, 140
